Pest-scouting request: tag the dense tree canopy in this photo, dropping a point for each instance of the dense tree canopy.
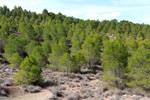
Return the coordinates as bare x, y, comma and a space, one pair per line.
115, 60
139, 68
31, 41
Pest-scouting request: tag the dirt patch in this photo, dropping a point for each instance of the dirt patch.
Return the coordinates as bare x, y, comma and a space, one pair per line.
43, 95
14, 91
58, 86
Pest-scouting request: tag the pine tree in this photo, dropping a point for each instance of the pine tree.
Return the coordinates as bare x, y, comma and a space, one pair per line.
38, 54
66, 64
139, 69
30, 46
145, 43
57, 51
15, 60
114, 63
14, 45
46, 46
131, 44
10, 49
79, 60
29, 32
70, 34
3, 40
76, 46
91, 49
82, 36
29, 72
76, 34
38, 33
47, 33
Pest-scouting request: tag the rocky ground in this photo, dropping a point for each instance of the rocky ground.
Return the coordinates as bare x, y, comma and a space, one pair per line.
58, 86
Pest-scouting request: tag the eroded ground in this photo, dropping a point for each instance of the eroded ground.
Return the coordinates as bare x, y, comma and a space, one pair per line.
58, 86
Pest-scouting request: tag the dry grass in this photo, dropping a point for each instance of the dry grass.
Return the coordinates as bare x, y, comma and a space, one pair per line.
15, 91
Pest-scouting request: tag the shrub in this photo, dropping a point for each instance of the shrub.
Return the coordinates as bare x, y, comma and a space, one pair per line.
15, 60
30, 72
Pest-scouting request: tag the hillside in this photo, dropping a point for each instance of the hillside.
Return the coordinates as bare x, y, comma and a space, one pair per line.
73, 53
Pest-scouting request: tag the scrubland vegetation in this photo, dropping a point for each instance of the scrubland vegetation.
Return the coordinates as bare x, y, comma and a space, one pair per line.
31, 41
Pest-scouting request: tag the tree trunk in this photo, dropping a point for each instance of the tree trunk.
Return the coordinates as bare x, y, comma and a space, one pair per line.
67, 71
115, 77
79, 69
89, 64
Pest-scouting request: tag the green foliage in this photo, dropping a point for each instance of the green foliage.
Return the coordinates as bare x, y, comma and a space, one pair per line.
38, 33
38, 54
145, 43
15, 60
76, 46
10, 49
20, 45
70, 34
91, 49
131, 44
14, 45
57, 51
140, 36
66, 64
44, 14
105, 38
76, 34
21, 28
82, 36
46, 46
30, 46
48, 37
97, 40
2, 20
29, 72
63, 41
46, 33
139, 69
27, 31
3, 39
5, 27
115, 55
79, 60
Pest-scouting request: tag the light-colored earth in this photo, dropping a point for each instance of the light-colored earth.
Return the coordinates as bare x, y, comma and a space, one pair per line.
73, 85
78, 90
43, 95
17, 93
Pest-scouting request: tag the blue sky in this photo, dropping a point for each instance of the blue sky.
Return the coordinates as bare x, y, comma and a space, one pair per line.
137, 11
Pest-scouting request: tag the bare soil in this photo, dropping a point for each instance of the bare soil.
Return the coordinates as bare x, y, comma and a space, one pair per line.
61, 87
43, 95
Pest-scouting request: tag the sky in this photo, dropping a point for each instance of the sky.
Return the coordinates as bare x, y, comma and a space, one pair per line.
137, 11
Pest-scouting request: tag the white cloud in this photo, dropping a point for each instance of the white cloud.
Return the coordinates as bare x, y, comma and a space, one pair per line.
29, 5
86, 11
12, 3
71, 1
90, 11
102, 17
146, 20
131, 2
53, 6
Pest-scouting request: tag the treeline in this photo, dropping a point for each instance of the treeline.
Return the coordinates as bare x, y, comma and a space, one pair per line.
30, 41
